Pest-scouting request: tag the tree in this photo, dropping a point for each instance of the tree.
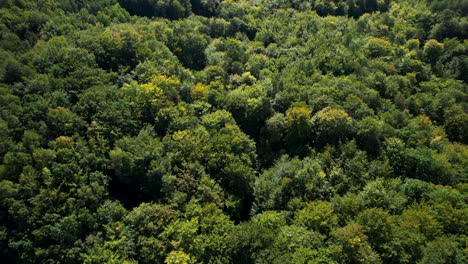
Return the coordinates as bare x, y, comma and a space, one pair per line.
179, 257
63, 122
290, 181
371, 134
251, 237
383, 194
420, 220
59, 58
455, 125
188, 44
171, 9
379, 47
433, 50
378, 227
349, 244
250, 108
298, 128
229, 53
147, 222
139, 165
296, 245
442, 250
332, 126
317, 216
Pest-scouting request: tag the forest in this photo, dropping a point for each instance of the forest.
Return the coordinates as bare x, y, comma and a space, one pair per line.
234, 131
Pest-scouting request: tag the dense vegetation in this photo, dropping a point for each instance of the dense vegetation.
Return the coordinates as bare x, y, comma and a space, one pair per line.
235, 131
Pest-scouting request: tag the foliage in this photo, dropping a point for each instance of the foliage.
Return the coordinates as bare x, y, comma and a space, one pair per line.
234, 131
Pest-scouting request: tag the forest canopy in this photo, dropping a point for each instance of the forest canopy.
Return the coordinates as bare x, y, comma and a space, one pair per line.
234, 131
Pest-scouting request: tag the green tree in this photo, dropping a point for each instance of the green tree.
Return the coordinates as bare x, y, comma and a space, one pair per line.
349, 245
332, 126
317, 216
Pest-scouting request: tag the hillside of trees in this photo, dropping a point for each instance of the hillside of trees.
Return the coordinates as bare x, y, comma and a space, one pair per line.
234, 131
